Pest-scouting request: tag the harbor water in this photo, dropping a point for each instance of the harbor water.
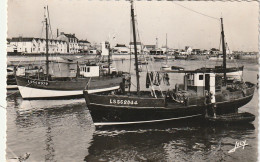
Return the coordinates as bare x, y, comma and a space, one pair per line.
62, 130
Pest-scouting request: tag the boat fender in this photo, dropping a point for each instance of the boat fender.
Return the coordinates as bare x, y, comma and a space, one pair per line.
166, 79
151, 76
225, 94
244, 93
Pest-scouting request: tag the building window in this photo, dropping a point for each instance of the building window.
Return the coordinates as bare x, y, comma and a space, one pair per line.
88, 69
39, 49
200, 77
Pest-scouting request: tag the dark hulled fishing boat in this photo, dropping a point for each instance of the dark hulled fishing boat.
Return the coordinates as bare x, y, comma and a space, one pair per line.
183, 102
42, 85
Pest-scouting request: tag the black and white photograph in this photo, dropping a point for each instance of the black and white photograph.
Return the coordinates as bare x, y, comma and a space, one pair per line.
129, 80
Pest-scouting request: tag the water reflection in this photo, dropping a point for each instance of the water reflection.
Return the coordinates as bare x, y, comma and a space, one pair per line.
46, 127
194, 143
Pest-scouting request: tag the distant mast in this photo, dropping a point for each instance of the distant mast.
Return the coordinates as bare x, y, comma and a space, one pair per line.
166, 43
109, 55
224, 51
134, 35
47, 47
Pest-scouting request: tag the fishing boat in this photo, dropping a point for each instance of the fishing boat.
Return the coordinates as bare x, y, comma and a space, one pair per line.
158, 55
42, 85
10, 79
159, 58
185, 101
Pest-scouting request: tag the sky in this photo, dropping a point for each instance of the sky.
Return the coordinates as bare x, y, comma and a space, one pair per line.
184, 23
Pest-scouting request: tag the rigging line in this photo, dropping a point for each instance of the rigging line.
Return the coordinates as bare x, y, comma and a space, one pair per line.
42, 29
141, 50
58, 63
196, 11
131, 30
17, 91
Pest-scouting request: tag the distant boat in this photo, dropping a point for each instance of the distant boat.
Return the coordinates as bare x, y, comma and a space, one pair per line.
165, 67
181, 57
11, 82
233, 73
219, 57
177, 68
159, 58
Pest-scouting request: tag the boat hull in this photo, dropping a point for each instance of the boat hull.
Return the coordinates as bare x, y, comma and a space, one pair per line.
39, 89
112, 110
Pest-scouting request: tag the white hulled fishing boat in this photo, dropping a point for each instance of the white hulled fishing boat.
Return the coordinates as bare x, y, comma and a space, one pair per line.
42, 85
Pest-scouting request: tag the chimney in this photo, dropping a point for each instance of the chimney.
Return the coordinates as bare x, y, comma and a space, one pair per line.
57, 32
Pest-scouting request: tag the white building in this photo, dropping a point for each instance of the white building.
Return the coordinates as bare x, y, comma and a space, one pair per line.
36, 45
121, 49
84, 46
138, 45
188, 50
72, 42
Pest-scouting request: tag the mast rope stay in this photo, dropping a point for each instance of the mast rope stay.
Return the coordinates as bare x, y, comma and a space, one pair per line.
147, 69
196, 11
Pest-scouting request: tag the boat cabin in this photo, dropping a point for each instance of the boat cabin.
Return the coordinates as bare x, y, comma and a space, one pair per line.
199, 82
89, 70
156, 52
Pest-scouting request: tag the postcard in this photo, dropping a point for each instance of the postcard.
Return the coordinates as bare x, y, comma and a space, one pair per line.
130, 80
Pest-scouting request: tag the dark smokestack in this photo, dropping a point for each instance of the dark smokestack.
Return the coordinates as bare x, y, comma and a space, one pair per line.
57, 32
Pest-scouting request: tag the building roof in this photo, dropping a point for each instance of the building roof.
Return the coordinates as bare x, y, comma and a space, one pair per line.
30, 39
137, 43
69, 35
21, 39
83, 41
120, 45
150, 46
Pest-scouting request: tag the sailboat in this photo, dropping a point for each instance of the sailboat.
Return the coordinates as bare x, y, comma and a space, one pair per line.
43, 85
186, 101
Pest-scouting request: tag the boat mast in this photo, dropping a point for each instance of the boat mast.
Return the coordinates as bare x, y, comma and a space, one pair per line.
224, 51
134, 36
166, 50
109, 55
47, 49
166, 43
